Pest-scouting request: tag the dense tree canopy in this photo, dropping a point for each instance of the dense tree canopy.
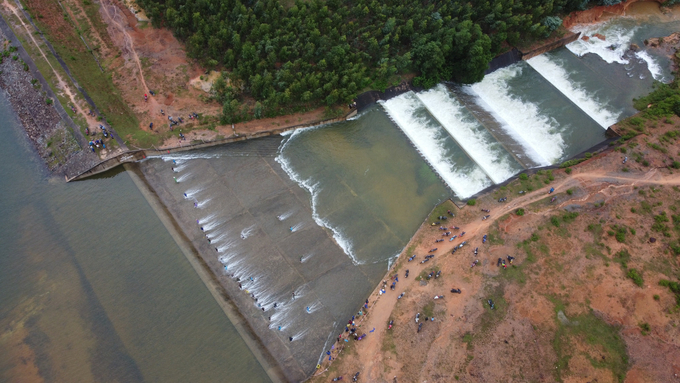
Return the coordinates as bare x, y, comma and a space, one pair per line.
325, 52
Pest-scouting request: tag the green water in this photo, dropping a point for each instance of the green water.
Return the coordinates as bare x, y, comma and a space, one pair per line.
93, 288
367, 183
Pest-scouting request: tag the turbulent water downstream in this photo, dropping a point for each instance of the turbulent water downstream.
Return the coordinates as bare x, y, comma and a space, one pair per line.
299, 229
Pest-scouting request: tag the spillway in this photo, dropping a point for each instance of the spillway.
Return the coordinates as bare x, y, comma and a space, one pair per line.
479, 144
554, 70
436, 145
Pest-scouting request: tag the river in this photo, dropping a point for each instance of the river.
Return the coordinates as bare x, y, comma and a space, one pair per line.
95, 289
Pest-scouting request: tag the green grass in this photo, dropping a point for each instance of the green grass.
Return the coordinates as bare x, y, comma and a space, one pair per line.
593, 250
427, 310
494, 237
99, 86
441, 210
636, 276
423, 274
594, 331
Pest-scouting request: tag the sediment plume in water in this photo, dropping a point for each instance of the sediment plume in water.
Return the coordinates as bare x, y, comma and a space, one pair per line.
551, 69
523, 118
462, 175
488, 153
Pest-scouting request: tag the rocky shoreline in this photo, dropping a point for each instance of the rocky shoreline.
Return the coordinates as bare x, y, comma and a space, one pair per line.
37, 107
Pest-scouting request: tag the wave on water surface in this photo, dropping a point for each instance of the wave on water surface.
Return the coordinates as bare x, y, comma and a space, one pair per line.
314, 188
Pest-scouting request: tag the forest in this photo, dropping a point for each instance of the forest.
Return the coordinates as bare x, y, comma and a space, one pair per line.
302, 55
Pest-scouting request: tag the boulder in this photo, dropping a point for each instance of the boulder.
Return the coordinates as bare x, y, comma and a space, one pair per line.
585, 38
634, 47
600, 36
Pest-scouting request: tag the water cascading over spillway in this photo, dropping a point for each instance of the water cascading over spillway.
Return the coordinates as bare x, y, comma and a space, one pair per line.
478, 143
552, 69
522, 118
435, 144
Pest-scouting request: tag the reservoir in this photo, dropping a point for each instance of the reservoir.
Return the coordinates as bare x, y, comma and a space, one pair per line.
298, 229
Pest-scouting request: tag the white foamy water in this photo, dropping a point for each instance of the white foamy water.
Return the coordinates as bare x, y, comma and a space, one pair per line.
313, 188
183, 177
286, 215
297, 226
652, 65
428, 139
616, 43
522, 118
247, 232
477, 142
552, 71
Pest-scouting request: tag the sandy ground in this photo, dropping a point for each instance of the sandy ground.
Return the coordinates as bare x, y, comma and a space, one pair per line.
153, 59
516, 342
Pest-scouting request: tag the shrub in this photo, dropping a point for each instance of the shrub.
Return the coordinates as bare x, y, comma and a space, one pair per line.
657, 297
471, 202
555, 221
567, 170
570, 192
569, 217
675, 165
520, 212
636, 276
48, 101
588, 155
523, 177
645, 328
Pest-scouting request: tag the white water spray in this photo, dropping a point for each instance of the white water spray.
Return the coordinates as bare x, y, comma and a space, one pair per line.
427, 137
521, 117
552, 71
247, 232
469, 134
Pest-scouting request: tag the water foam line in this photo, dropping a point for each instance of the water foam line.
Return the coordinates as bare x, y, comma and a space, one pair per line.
314, 189
552, 71
652, 65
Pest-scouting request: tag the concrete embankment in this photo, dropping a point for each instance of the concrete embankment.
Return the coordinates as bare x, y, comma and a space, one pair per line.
533, 52
137, 155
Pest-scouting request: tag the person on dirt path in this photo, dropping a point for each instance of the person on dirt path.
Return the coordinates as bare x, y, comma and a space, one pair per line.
146, 98
151, 126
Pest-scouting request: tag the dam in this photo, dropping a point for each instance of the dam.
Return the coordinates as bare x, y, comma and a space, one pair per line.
297, 229
300, 228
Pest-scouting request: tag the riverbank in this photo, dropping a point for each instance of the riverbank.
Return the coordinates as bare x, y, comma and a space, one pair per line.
536, 327
46, 124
